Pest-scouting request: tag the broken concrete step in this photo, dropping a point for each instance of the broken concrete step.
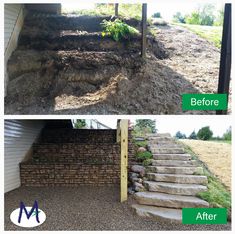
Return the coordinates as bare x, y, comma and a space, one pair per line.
176, 178
175, 163
169, 200
168, 151
175, 170
173, 188
183, 157
159, 213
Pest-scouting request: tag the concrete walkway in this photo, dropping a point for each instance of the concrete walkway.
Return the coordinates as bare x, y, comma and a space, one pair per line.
87, 208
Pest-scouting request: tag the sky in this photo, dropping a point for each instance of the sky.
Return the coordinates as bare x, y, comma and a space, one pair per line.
184, 123
167, 7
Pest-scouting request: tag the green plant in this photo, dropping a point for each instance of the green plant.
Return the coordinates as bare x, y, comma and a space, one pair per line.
117, 29
141, 143
147, 162
228, 135
144, 155
80, 123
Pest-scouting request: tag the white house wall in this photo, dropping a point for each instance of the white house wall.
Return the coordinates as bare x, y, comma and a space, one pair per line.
19, 136
13, 23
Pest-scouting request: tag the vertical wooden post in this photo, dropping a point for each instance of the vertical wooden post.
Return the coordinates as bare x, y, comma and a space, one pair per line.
116, 9
225, 57
144, 30
124, 159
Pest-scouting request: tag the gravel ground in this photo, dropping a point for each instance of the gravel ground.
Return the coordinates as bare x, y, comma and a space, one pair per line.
87, 208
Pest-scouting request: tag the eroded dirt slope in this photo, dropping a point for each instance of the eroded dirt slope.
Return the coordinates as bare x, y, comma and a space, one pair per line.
151, 87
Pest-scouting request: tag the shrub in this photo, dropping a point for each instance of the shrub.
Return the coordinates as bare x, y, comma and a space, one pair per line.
141, 143
117, 29
228, 135
144, 155
204, 133
179, 18
157, 15
147, 162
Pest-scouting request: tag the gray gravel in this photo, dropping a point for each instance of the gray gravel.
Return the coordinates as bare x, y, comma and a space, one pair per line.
87, 208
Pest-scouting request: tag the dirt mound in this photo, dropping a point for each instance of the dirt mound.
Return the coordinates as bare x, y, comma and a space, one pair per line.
74, 82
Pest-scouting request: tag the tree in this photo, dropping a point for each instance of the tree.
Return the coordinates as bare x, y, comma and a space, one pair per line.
143, 126
203, 15
193, 135
180, 135
80, 123
227, 136
205, 133
179, 18
157, 15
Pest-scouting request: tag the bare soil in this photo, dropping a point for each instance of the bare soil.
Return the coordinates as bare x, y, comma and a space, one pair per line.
189, 64
216, 156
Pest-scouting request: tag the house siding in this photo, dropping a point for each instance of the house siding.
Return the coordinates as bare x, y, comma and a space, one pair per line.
19, 136
13, 23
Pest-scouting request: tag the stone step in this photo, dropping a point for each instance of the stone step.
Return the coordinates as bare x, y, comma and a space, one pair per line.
164, 146
182, 157
174, 163
159, 135
175, 170
177, 178
169, 200
168, 151
173, 188
158, 213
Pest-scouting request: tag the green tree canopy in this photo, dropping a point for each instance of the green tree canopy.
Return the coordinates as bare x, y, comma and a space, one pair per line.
205, 133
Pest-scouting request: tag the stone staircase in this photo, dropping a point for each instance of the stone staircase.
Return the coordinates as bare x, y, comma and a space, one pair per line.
172, 182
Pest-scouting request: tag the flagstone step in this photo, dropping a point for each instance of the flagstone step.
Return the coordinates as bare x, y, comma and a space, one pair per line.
169, 200
168, 151
159, 213
175, 170
173, 188
177, 178
175, 163
172, 156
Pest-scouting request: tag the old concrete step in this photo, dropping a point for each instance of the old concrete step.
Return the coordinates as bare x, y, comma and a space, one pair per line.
169, 200
159, 135
159, 213
168, 151
173, 188
182, 157
177, 178
175, 163
175, 170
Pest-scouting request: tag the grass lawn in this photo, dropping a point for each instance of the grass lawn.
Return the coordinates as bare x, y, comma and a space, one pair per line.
218, 195
211, 33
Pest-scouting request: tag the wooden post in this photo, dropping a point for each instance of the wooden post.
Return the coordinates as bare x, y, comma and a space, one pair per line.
124, 159
225, 57
144, 30
116, 9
